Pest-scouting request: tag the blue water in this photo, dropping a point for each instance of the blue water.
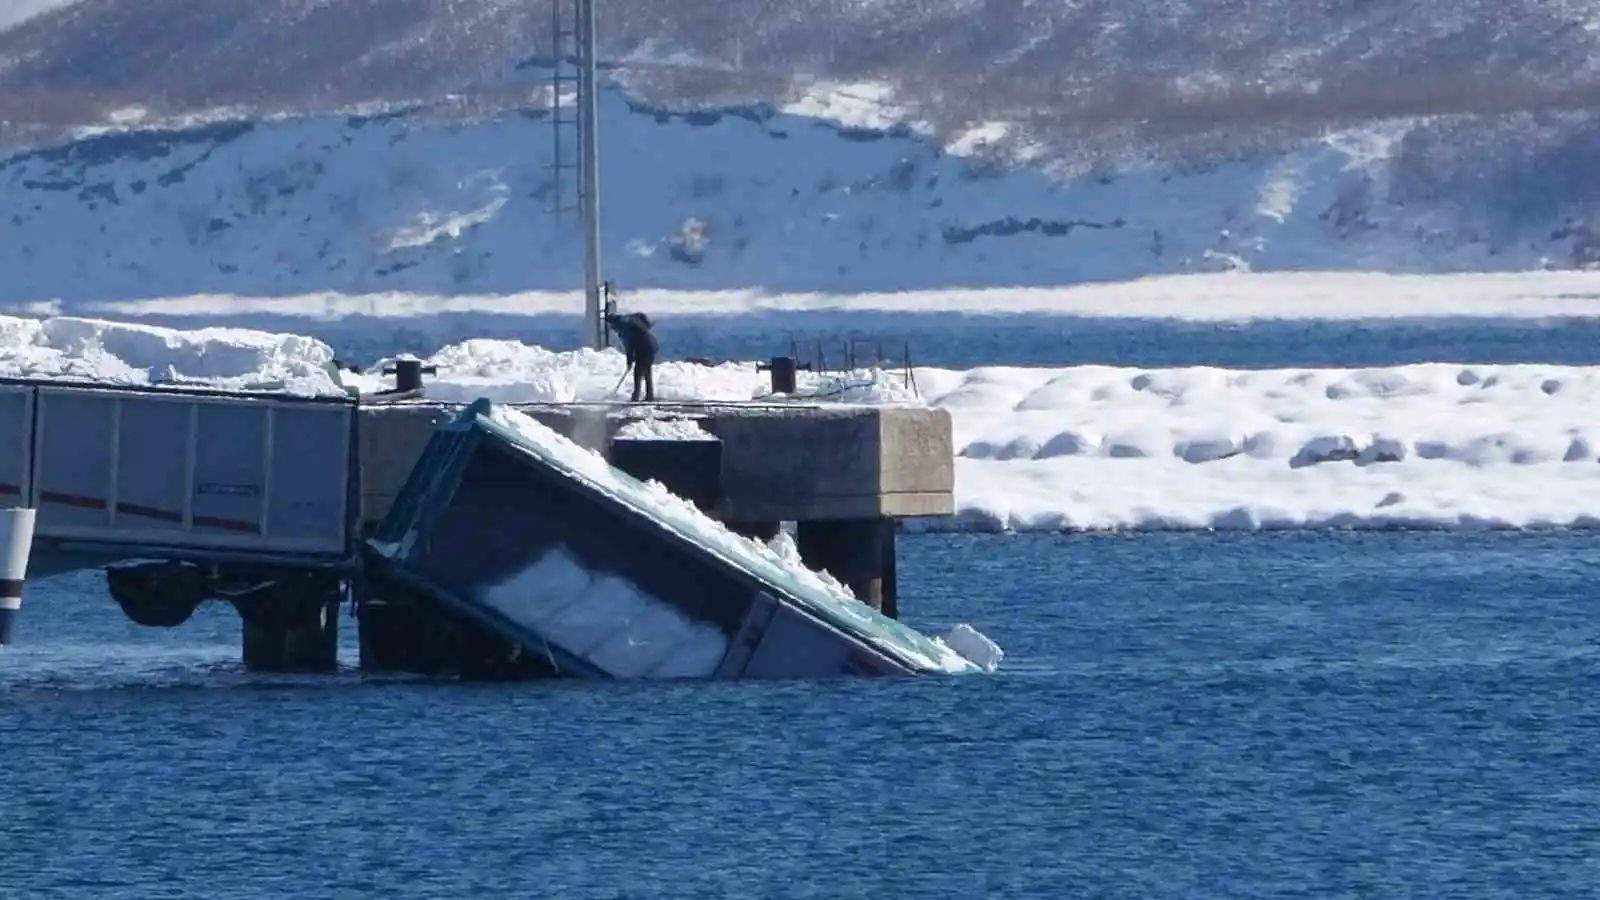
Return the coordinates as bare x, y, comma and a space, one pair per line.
1180, 715
964, 341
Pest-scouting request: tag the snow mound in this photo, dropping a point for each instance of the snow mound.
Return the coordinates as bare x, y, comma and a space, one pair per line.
1090, 447
664, 429
868, 386
976, 646
76, 349
1420, 446
508, 371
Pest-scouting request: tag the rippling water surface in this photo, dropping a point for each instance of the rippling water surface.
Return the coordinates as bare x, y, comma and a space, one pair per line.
1285, 715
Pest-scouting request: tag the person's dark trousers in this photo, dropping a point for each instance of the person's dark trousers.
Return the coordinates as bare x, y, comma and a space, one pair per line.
644, 377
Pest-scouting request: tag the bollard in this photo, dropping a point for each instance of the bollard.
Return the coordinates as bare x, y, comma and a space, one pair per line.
16, 543
408, 374
783, 369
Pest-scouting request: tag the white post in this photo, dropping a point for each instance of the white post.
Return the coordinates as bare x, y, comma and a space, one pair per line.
16, 543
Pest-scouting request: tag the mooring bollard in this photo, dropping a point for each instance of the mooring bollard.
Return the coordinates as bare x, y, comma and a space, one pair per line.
783, 369
408, 374
16, 542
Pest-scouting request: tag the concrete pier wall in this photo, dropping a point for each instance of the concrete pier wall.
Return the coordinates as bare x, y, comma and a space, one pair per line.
781, 463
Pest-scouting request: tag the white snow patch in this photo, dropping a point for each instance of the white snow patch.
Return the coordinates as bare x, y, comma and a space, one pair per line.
976, 646
84, 350
664, 429
858, 105
979, 138
430, 226
607, 620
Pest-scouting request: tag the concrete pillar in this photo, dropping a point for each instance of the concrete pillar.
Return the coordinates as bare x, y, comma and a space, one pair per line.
16, 544
761, 531
853, 551
891, 581
402, 632
292, 625
690, 469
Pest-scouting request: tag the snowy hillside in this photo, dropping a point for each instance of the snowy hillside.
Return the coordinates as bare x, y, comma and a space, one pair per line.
14, 11
756, 197
869, 146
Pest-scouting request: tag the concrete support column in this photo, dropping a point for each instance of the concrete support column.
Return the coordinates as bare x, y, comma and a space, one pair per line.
400, 632
404, 631
16, 544
761, 531
891, 581
858, 552
292, 625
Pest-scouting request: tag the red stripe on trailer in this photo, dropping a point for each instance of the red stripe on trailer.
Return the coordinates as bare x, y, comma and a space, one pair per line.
79, 501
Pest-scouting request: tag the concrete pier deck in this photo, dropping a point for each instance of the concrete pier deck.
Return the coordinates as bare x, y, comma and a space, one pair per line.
781, 462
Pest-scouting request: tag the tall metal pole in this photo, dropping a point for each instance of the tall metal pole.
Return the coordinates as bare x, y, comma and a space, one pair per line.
589, 150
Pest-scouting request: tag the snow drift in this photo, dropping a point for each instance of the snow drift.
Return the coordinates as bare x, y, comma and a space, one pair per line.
1085, 447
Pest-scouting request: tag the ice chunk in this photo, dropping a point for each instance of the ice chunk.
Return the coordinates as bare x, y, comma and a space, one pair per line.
976, 646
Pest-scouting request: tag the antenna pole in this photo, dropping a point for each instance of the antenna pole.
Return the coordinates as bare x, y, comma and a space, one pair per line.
589, 150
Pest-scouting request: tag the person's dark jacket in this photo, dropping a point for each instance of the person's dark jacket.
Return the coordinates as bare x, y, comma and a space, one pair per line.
638, 339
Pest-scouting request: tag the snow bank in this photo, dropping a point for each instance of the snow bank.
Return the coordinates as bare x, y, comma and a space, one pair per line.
1096, 447
654, 429
227, 358
1434, 445
507, 371
1088, 447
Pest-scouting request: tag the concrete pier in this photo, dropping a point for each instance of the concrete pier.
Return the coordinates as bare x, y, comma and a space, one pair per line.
291, 625
858, 552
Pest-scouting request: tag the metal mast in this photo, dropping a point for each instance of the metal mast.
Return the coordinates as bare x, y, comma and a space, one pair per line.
589, 163
563, 152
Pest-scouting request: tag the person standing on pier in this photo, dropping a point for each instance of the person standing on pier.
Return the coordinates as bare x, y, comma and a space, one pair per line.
639, 344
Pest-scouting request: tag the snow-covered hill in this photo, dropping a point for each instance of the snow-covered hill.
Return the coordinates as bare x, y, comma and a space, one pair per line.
14, 11
827, 196
863, 146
